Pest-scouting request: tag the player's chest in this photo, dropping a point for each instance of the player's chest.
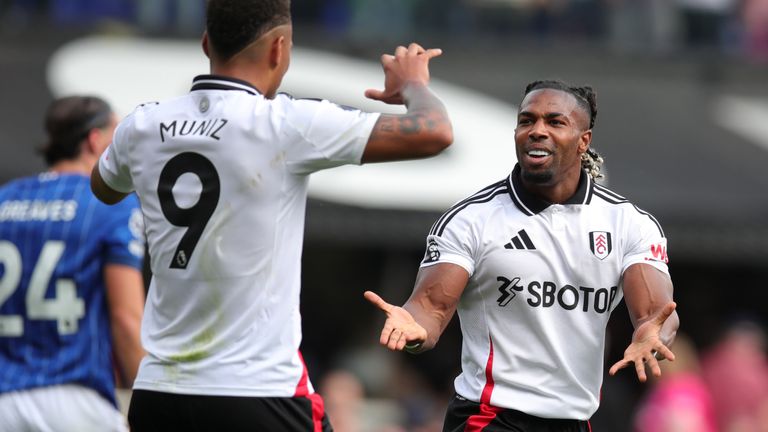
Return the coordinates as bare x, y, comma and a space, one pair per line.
562, 258
560, 242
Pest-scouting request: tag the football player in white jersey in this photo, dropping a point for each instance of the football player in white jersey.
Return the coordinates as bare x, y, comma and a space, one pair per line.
535, 264
221, 174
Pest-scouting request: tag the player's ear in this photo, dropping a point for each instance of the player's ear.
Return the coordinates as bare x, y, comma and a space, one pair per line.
277, 52
585, 140
91, 142
204, 43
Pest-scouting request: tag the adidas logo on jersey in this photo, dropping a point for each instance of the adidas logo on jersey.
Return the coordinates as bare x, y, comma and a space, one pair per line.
520, 241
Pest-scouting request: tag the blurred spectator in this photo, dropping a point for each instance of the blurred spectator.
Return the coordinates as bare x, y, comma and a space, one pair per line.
88, 11
679, 400
704, 21
736, 371
642, 26
343, 395
582, 17
183, 16
377, 20
755, 22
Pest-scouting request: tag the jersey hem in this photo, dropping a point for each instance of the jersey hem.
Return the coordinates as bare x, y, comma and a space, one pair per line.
215, 391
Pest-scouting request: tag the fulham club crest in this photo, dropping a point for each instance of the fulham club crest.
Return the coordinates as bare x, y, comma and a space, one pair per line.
600, 244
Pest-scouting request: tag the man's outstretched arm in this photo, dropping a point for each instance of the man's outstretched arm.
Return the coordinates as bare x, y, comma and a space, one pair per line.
648, 293
423, 318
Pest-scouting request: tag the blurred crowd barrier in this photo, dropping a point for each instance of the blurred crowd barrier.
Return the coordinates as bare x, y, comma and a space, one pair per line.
734, 27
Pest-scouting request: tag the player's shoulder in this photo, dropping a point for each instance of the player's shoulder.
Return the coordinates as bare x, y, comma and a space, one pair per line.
607, 195
16, 184
474, 208
610, 198
145, 108
310, 103
622, 206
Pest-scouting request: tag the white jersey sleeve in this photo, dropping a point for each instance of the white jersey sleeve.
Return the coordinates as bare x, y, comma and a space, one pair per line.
647, 243
112, 166
453, 242
327, 135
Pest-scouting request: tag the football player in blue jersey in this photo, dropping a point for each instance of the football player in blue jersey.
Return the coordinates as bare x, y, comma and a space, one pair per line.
71, 288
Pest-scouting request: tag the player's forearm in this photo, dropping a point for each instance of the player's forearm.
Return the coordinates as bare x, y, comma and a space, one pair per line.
433, 318
669, 329
425, 130
126, 342
426, 116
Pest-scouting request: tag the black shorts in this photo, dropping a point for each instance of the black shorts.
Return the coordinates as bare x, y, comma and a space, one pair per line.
464, 415
168, 412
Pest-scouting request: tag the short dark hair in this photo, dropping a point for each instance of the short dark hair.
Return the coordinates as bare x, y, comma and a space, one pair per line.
67, 123
584, 95
234, 24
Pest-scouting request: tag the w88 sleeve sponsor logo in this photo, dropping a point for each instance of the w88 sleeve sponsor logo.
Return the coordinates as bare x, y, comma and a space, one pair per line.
547, 294
658, 253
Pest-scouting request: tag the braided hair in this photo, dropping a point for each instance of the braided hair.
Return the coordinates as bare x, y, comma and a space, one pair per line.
591, 160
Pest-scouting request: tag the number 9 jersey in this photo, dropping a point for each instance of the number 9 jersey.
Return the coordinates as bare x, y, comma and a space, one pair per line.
55, 240
221, 174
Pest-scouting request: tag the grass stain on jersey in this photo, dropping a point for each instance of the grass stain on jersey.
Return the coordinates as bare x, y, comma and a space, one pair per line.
201, 343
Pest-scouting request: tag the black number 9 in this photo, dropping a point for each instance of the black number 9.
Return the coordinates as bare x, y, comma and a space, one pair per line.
195, 218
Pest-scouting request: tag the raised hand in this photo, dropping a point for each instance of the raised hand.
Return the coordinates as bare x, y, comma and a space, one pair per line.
400, 328
408, 65
647, 346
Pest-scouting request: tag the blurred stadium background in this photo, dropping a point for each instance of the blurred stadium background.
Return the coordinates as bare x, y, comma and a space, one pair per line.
683, 124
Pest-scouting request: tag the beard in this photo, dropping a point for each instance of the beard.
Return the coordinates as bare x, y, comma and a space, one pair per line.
541, 177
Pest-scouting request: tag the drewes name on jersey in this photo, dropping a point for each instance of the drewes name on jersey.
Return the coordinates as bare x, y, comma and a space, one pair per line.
204, 128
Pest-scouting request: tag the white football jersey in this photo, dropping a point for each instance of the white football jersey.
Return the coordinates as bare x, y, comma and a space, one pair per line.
544, 279
222, 175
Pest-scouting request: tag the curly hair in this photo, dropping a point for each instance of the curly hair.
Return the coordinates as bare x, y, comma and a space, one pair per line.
234, 24
591, 161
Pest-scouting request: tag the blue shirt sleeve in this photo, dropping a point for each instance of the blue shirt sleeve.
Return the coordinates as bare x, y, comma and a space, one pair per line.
124, 239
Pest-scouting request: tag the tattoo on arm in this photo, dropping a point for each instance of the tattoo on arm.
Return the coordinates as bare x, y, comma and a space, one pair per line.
426, 113
386, 123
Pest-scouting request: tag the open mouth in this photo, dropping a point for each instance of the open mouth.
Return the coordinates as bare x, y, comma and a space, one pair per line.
538, 154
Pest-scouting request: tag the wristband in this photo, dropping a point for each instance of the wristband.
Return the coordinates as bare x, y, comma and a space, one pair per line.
413, 347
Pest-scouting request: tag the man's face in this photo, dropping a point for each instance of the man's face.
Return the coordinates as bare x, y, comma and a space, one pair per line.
104, 136
551, 134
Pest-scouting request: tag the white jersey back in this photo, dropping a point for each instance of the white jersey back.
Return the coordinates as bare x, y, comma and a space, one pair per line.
544, 280
222, 174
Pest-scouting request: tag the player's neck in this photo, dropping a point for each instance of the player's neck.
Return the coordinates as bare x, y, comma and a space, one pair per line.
557, 192
253, 76
75, 166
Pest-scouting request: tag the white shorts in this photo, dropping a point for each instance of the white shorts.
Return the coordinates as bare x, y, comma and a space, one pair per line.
61, 408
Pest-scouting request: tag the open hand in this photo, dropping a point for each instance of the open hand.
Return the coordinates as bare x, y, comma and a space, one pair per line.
400, 328
646, 347
408, 65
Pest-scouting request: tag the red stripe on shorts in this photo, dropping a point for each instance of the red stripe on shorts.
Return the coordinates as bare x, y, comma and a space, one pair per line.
477, 422
302, 390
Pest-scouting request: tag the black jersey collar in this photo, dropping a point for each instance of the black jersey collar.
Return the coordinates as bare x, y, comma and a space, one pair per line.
530, 204
218, 82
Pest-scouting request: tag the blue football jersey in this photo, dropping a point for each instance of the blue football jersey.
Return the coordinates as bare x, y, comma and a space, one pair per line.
55, 239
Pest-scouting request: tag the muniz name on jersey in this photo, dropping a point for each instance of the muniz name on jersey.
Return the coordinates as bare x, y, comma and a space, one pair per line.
201, 128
